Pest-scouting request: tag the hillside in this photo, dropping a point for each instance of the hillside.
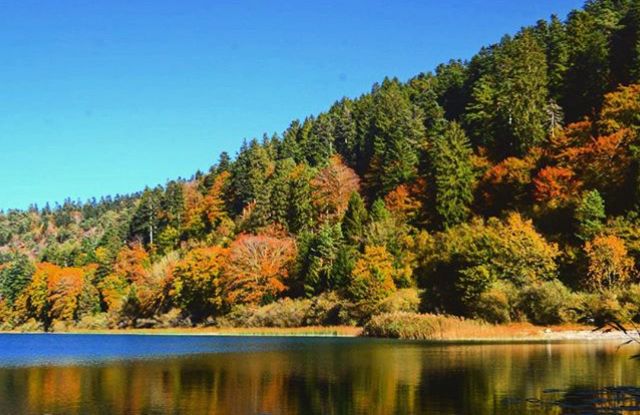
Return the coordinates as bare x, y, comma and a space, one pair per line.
504, 188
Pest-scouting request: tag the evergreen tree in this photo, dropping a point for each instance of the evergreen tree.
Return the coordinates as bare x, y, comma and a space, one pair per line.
318, 253
249, 176
300, 212
589, 215
508, 104
451, 79
15, 276
557, 57
281, 190
522, 91
588, 65
344, 130
319, 145
625, 48
396, 134
146, 219
290, 148
453, 175
354, 221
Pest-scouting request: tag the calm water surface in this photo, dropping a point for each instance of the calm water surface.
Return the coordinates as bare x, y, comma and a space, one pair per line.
114, 374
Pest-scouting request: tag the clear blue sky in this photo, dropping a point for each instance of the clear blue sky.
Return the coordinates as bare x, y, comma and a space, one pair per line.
105, 97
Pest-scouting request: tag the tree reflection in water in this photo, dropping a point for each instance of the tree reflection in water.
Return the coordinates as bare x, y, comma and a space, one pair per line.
357, 376
622, 400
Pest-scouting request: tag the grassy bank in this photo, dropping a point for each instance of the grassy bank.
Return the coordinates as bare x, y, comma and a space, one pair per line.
398, 325
412, 326
319, 331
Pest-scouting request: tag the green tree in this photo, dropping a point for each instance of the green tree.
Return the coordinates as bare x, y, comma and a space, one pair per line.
396, 134
15, 275
317, 256
453, 175
145, 223
354, 221
319, 145
508, 106
589, 215
588, 74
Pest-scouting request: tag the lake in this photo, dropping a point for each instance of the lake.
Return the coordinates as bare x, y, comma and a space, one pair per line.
131, 374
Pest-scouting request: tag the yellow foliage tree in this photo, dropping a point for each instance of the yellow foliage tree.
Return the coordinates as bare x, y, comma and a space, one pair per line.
372, 275
610, 265
197, 285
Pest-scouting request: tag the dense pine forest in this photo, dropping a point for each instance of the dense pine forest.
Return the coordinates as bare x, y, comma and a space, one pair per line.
502, 188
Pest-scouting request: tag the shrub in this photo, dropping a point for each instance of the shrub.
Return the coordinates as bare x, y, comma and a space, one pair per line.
630, 297
495, 304
324, 310
60, 326
31, 325
602, 307
403, 300
546, 303
283, 313
359, 313
172, 318
98, 321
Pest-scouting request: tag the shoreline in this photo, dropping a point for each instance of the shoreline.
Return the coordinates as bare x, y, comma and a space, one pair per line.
516, 334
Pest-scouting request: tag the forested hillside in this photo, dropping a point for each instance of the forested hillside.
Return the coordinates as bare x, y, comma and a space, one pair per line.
505, 188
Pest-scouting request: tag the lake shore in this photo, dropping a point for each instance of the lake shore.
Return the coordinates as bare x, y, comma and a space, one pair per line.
516, 332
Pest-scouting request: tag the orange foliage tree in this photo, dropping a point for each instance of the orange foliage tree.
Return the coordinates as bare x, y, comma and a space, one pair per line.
555, 186
402, 202
258, 268
192, 219
53, 293
332, 188
132, 263
507, 183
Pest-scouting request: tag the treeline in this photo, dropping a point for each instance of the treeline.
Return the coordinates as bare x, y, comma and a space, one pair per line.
505, 188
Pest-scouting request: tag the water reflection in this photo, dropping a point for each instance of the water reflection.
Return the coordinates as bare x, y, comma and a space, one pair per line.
321, 376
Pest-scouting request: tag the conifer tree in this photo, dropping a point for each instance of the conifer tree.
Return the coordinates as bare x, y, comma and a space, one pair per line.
397, 132
354, 221
589, 215
453, 175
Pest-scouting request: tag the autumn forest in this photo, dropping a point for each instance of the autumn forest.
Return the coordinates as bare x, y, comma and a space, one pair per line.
504, 188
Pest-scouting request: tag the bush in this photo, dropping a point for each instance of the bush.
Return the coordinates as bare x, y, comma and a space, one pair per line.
172, 318
415, 326
98, 321
546, 303
403, 300
30, 325
324, 310
602, 307
495, 304
283, 313
630, 297
60, 326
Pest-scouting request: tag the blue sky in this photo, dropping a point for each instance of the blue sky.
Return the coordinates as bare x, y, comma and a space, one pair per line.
106, 97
